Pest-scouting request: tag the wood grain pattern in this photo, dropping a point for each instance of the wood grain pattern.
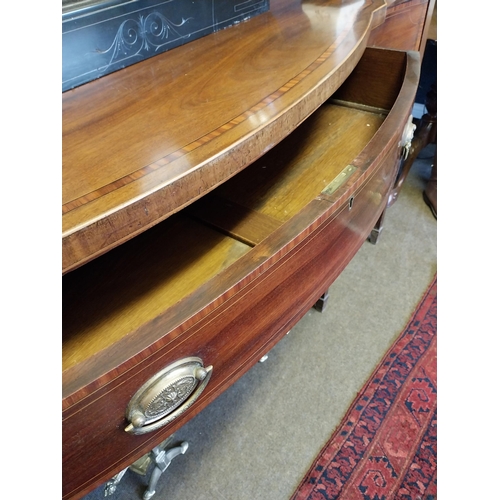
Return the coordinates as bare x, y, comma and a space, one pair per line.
130, 156
253, 320
297, 171
385, 69
286, 179
142, 279
239, 222
143, 143
133, 285
405, 27
157, 270
235, 304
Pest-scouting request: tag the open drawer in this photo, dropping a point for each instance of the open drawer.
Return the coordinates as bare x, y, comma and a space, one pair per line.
223, 280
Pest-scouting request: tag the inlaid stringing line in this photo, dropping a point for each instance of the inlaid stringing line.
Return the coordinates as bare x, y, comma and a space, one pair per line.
162, 162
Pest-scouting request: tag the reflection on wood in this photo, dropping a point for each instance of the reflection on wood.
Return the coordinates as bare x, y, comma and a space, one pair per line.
142, 159
257, 239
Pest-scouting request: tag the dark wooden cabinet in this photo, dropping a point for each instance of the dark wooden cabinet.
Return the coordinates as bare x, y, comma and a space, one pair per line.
211, 195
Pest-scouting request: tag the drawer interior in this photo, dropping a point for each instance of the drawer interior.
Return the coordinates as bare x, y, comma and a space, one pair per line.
281, 183
132, 284
112, 296
286, 179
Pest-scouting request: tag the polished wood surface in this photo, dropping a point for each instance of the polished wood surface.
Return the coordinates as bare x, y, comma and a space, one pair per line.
136, 283
143, 142
406, 25
155, 271
426, 127
152, 273
432, 31
196, 287
425, 134
198, 213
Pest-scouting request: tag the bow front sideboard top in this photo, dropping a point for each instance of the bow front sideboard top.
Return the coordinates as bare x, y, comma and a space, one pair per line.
211, 195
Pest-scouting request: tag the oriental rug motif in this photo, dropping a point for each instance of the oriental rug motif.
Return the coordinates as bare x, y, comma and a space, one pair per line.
386, 445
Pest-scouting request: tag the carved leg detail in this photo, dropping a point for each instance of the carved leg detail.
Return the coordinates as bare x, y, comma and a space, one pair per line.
112, 484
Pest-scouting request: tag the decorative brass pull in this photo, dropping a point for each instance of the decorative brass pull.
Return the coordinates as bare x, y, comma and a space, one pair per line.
407, 138
167, 395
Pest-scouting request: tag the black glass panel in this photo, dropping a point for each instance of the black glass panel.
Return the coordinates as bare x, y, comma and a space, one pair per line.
102, 36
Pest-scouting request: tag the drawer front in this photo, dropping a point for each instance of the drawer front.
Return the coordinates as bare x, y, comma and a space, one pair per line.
277, 283
403, 27
231, 338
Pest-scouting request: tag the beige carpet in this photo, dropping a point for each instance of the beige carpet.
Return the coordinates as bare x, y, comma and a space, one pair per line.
258, 439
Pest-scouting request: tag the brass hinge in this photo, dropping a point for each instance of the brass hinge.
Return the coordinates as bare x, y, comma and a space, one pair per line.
339, 180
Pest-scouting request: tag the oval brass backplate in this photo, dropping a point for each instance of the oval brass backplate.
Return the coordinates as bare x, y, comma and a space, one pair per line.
167, 395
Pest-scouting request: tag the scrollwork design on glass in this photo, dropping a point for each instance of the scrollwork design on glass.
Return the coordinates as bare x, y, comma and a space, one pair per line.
145, 34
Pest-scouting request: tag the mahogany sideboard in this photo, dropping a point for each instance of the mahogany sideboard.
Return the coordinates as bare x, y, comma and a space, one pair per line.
211, 194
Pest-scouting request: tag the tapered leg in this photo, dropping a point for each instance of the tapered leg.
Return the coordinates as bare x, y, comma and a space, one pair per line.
430, 192
377, 229
321, 303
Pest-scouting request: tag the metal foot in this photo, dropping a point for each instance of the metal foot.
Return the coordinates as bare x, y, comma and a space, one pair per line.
159, 456
112, 484
162, 460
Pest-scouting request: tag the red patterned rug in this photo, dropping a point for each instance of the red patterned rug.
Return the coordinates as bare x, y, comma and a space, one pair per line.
386, 445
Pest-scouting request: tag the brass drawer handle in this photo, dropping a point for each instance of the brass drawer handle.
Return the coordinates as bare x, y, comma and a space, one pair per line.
167, 395
407, 138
